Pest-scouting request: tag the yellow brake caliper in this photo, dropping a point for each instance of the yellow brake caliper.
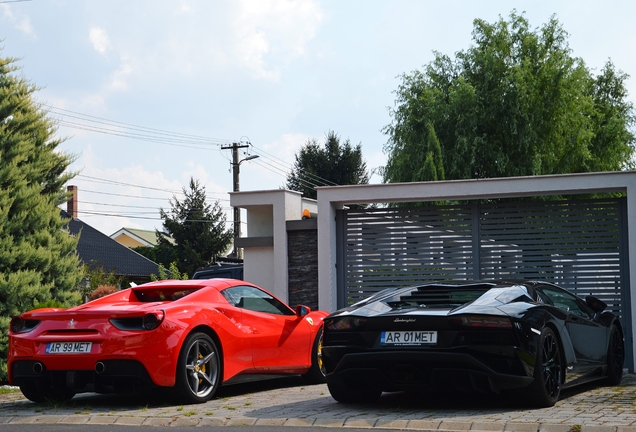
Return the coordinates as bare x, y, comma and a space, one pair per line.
202, 368
319, 352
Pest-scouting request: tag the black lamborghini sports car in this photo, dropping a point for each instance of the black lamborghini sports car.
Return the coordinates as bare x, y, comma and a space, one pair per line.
528, 338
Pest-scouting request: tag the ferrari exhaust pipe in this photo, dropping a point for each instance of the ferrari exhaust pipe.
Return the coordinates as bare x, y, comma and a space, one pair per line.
38, 368
100, 368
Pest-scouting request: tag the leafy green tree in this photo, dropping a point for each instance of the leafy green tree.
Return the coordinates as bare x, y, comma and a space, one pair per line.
38, 261
197, 228
163, 252
334, 164
516, 103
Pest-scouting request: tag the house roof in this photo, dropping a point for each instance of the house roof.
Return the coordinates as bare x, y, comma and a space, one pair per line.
146, 237
97, 250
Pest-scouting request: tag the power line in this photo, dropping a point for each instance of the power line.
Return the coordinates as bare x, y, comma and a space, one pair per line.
127, 135
116, 205
123, 195
275, 159
123, 129
128, 130
161, 136
101, 180
278, 171
128, 184
155, 209
139, 197
90, 213
275, 167
123, 125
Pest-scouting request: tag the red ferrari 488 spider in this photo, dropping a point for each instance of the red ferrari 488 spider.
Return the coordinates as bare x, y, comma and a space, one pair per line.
192, 335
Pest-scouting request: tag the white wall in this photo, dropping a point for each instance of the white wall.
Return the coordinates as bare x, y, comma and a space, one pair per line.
267, 214
260, 262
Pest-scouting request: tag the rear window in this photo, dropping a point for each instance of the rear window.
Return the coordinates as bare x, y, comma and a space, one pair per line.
436, 296
162, 294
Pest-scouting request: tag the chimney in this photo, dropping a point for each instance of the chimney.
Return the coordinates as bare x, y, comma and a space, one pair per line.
71, 205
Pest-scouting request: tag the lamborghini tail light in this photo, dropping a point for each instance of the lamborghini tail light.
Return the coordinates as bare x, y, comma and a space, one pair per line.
344, 323
482, 321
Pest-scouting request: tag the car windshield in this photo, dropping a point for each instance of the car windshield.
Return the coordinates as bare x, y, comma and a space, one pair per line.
162, 294
437, 296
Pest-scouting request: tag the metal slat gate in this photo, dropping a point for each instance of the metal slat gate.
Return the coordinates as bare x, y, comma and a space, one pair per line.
577, 244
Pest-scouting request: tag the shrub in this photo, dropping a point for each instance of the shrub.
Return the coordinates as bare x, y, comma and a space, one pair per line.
101, 291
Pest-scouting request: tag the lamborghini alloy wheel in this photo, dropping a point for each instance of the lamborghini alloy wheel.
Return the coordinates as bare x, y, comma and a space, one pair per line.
548, 371
615, 357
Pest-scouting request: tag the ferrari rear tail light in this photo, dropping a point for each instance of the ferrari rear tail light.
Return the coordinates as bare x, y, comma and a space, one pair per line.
153, 320
20, 325
149, 321
482, 321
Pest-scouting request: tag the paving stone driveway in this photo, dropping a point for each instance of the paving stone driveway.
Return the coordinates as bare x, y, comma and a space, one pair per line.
287, 402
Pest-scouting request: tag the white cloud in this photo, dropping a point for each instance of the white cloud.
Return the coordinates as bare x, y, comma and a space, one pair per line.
22, 22
120, 76
287, 146
274, 28
200, 173
185, 7
205, 41
99, 39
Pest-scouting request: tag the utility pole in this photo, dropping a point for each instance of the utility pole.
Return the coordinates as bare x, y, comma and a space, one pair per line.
236, 187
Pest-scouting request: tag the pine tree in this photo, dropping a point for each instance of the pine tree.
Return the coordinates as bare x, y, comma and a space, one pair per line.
38, 260
197, 228
334, 164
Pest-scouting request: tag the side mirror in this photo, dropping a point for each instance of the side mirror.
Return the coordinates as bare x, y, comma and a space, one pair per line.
595, 303
302, 310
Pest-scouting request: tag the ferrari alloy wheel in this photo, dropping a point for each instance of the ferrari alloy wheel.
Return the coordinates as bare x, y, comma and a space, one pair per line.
199, 369
615, 357
354, 394
316, 373
548, 371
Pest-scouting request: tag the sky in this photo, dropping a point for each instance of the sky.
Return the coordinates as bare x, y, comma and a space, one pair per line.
149, 92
